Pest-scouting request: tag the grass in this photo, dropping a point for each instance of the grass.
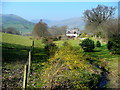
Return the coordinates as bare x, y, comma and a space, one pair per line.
16, 47
15, 50
103, 57
74, 43
15, 53
16, 39
113, 76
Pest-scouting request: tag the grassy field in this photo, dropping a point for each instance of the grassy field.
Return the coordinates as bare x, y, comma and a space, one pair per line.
15, 50
15, 47
15, 54
16, 39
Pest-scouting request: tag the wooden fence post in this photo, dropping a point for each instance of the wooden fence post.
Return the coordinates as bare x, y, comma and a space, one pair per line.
32, 46
27, 69
25, 77
29, 63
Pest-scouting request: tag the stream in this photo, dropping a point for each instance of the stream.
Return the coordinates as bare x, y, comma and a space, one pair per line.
104, 74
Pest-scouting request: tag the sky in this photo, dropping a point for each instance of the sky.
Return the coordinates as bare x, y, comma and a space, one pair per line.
50, 10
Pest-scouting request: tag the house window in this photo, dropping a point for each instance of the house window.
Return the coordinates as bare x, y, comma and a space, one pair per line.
74, 32
68, 31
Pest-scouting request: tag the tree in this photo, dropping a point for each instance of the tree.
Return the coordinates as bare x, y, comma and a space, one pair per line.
87, 45
111, 29
98, 15
98, 44
11, 30
40, 30
55, 30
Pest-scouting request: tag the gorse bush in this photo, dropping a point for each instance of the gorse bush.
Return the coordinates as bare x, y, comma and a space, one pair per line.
67, 69
87, 45
68, 45
114, 46
98, 44
50, 49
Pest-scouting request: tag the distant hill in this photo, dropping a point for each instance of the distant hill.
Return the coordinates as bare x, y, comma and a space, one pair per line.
44, 20
25, 26
21, 24
71, 22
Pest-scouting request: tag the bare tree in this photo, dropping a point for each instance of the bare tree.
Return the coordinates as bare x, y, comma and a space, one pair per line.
40, 30
111, 29
55, 30
99, 14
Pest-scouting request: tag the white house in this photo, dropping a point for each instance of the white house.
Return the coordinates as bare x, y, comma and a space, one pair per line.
72, 32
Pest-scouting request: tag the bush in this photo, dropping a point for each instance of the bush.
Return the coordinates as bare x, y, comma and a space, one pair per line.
55, 39
82, 35
109, 45
88, 45
68, 45
59, 37
11, 30
68, 69
114, 46
98, 44
44, 40
50, 49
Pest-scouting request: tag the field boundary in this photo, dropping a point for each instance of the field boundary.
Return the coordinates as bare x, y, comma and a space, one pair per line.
27, 68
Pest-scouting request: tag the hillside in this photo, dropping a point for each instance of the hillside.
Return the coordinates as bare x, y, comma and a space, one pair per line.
71, 22
16, 39
21, 24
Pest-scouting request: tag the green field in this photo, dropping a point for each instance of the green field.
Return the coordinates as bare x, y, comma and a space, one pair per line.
15, 50
16, 39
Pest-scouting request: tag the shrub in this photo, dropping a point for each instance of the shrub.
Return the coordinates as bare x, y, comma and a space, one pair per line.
12, 30
109, 44
55, 39
45, 40
87, 45
82, 35
59, 37
67, 69
50, 49
98, 44
114, 46
68, 45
